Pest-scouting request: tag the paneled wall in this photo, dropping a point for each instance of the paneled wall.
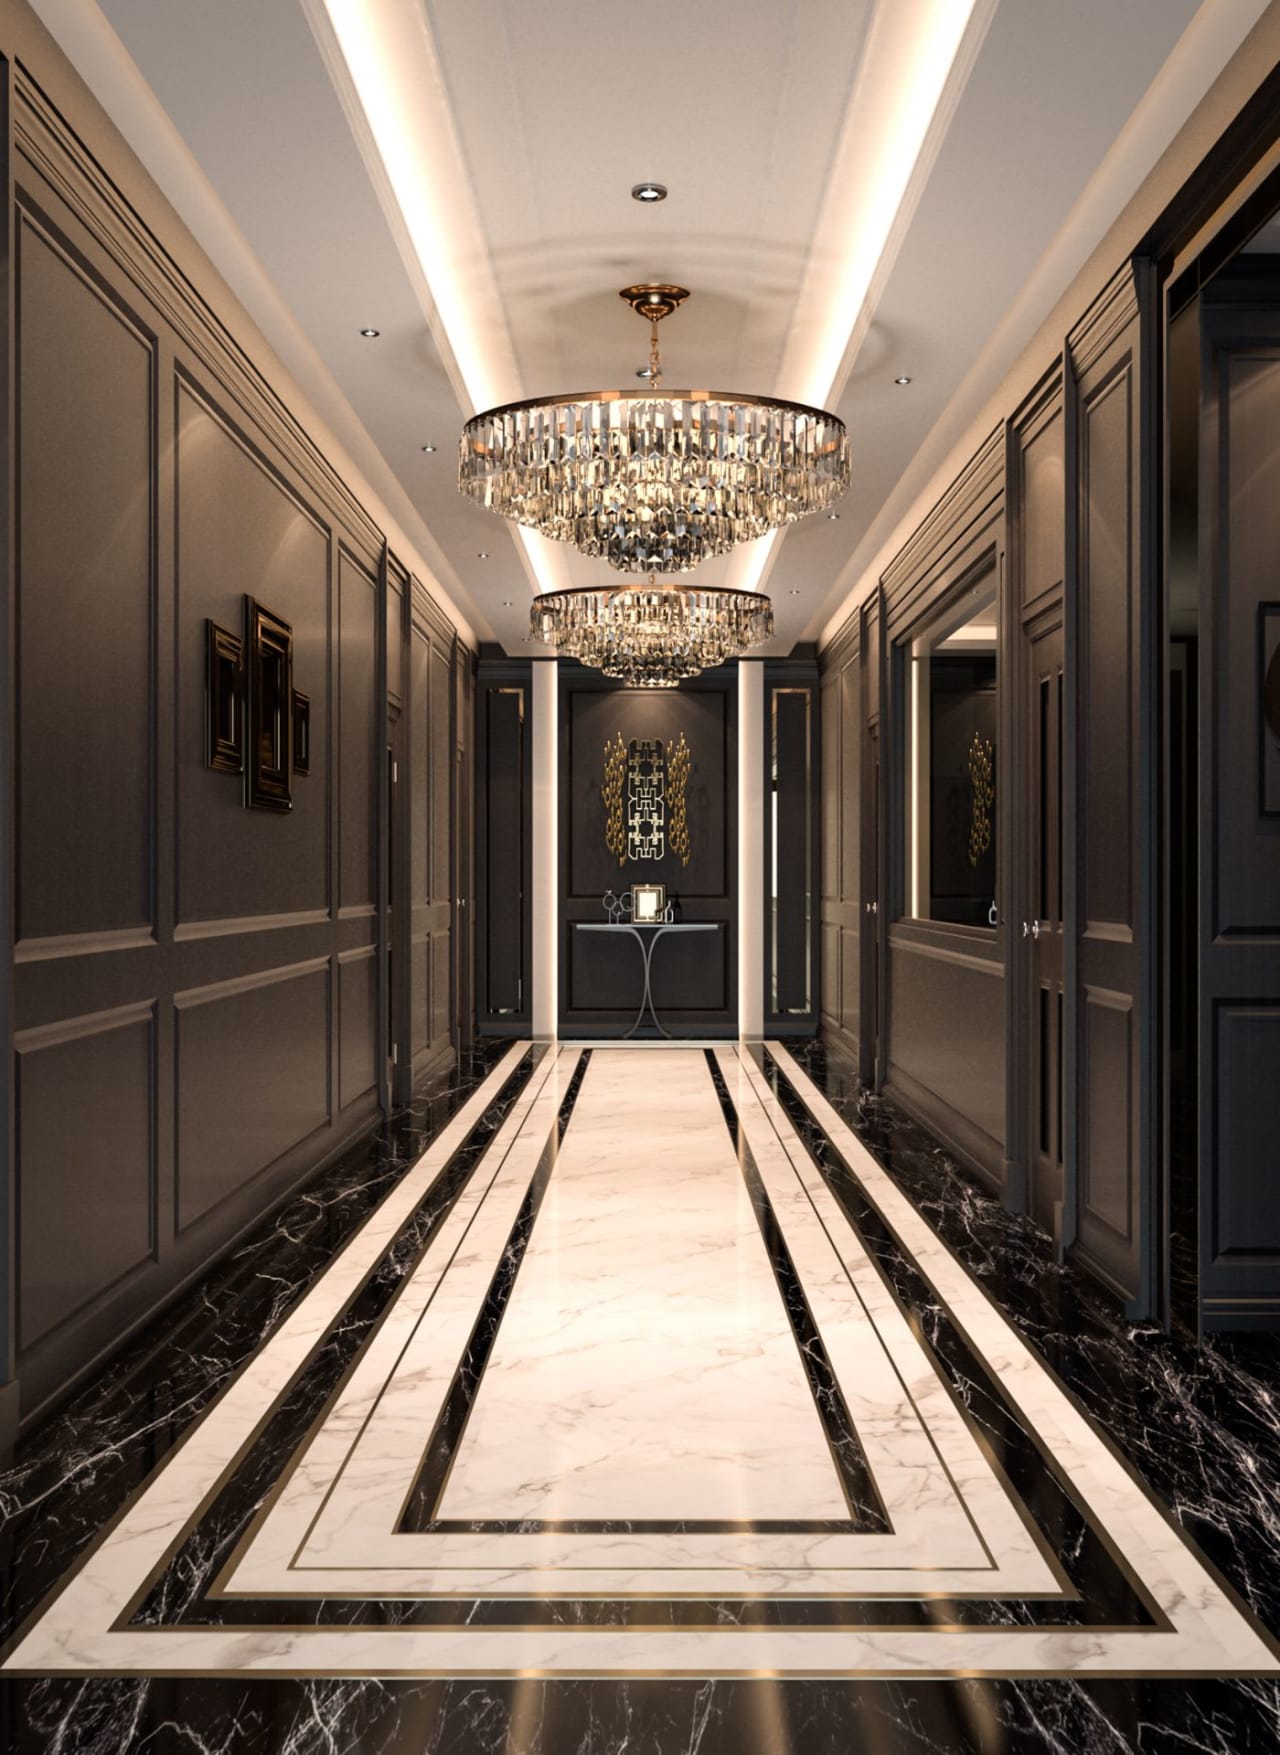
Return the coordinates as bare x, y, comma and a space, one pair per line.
1029, 1046
197, 986
945, 1032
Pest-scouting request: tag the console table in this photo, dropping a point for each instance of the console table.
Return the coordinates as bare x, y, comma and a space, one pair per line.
646, 936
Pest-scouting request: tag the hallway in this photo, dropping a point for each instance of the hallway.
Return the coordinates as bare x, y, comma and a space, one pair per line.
769, 1426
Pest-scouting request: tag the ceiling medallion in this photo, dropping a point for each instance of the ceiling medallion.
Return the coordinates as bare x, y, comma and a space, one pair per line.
652, 636
649, 480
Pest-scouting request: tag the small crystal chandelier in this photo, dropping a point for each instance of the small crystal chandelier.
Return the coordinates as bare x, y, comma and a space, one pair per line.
652, 636
653, 481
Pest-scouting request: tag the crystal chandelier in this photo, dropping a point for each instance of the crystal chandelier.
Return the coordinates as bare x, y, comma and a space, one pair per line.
654, 482
652, 636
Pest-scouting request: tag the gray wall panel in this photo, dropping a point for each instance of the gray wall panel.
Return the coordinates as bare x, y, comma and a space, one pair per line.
85, 597
252, 1080
86, 1182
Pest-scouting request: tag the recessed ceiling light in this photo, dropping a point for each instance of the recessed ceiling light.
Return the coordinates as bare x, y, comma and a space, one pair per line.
833, 517
649, 192
902, 380
794, 591
508, 602
483, 555
370, 334
428, 447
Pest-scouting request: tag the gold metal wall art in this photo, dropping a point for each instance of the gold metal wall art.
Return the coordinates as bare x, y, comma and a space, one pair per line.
983, 792
645, 798
679, 768
615, 773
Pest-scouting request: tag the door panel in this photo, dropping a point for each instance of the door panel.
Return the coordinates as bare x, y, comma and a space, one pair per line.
1109, 1208
1044, 923
1239, 1031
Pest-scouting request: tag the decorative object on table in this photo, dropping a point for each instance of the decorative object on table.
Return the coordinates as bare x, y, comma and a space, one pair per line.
648, 903
269, 731
615, 774
654, 482
611, 905
301, 732
224, 700
669, 913
982, 789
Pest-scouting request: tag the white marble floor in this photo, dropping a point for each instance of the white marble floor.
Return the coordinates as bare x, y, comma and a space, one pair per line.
646, 1364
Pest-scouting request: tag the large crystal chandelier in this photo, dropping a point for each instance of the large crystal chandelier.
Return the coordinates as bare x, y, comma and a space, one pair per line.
652, 636
654, 482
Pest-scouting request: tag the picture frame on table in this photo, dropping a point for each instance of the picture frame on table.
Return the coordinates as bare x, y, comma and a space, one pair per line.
648, 904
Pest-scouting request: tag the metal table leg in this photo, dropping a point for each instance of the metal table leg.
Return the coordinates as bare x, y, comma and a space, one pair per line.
646, 957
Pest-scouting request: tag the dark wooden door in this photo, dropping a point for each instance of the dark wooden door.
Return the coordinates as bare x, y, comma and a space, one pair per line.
1110, 1219
1239, 808
1042, 926
871, 960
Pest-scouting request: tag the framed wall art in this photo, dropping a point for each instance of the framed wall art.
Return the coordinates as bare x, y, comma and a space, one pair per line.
224, 700
269, 650
301, 732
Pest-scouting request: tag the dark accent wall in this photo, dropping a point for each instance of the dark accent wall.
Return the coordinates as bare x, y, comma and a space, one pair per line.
504, 845
695, 978
197, 987
1239, 975
793, 801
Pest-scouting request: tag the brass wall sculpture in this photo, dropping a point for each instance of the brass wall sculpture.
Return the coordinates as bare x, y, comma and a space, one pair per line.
615, 773
982, 786
646, 798
644, 792
679, 768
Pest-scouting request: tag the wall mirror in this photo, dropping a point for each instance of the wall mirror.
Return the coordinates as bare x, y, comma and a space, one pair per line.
951, 770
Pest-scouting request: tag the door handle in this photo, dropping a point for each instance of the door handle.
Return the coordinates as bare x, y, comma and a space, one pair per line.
1035, 929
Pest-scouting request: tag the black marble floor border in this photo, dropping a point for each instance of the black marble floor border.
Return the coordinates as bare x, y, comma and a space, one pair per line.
1203, 1424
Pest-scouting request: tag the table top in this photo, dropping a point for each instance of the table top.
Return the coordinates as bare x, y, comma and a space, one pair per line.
637, 925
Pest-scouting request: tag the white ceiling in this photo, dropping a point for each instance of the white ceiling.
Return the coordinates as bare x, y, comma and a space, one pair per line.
555, 109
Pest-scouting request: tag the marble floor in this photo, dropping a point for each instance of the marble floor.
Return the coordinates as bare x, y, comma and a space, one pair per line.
681, 1400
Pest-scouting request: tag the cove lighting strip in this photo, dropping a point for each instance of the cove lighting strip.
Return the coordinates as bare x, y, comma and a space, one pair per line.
917, 56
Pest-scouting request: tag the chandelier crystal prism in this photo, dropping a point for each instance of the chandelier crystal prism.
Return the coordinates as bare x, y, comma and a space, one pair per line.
652, 480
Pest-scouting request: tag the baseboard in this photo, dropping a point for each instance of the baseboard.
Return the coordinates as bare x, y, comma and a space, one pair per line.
974, 1148
8, 1421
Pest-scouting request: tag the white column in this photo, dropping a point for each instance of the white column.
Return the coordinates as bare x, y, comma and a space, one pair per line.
750, 848
545, 1003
